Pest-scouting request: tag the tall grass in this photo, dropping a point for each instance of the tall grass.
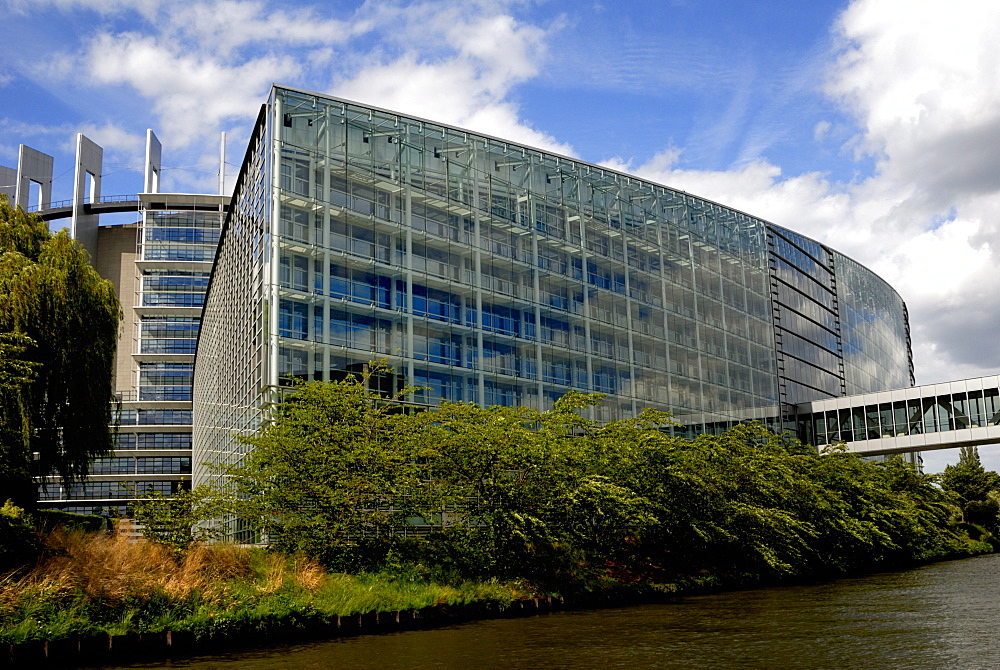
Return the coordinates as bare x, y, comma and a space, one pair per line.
101, 583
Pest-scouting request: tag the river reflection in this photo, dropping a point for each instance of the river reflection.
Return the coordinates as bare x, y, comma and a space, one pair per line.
940, 616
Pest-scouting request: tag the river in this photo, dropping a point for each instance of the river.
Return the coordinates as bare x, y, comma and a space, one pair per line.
945, 615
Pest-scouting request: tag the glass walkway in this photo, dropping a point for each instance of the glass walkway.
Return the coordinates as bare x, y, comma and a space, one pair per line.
919, 418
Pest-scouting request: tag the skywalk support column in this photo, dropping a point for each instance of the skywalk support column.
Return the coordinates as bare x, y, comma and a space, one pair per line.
8, 183
222, 165
154, 150
89, 160
33, 166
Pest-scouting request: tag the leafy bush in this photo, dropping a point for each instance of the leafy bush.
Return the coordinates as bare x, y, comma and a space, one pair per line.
50, 519
19, 543
567, 503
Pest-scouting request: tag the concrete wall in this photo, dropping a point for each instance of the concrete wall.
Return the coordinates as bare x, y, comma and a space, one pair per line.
116, 257
86, 188
8, 183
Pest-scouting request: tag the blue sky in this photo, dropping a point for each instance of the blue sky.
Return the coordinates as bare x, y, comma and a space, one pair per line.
872, 125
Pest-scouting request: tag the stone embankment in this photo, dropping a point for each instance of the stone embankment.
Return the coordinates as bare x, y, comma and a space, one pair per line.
166, 644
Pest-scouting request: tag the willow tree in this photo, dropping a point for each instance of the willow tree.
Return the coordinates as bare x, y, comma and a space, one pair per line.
63, 324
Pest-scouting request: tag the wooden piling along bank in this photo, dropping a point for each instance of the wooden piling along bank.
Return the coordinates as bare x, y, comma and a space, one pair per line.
98, 648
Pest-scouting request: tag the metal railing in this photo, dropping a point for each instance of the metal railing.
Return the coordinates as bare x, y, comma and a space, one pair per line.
87, 201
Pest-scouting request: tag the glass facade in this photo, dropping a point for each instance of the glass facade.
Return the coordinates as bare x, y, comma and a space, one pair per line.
877, 350
498, 274
839, 329
175, 245
806, 324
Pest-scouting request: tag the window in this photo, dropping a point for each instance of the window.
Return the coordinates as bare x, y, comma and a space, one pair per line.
295, 175
163, 441
295, 223
293, 320
165, 381
293, 272
113, 466
501, 319
435, 304
164, 465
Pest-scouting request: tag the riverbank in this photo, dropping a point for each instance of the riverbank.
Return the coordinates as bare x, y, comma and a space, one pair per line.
93, 592
939, 616
314, 626
97, 597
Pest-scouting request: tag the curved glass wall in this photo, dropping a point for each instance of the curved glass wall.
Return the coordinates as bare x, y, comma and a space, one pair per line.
806, 323
875, 330
495, 273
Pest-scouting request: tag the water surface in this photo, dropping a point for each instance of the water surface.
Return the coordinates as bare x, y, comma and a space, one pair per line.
945, 615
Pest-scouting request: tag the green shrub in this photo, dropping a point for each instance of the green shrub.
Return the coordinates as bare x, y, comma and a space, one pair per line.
50, 519
19, 544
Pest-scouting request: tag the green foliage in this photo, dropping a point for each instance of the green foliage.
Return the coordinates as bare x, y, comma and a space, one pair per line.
50, 519
968, 478
179, 521
19, 543
598, 514
493, 474
566, 503
15, 370
60, 325
330, 476
977, 489
545, 499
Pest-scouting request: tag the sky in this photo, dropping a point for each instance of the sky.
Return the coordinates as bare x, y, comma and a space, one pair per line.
870, 125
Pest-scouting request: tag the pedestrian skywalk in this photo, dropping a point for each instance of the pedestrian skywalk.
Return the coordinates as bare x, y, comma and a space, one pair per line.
919, 418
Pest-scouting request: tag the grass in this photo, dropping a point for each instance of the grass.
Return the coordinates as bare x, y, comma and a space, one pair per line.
92, 583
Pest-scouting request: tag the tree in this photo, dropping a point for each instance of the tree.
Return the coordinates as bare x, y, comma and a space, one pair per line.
598, 514
968, 478
15, 370
60, 321
973, 484
177, 521
529, 493
331, 474
342, 472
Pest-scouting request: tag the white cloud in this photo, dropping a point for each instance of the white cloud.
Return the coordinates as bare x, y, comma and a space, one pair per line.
146, 8
449, 61
806, 203
113, 138
920, 79
9, 154
453, 63
225, 25
187, 61
820, 130
184, 86
18, 128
